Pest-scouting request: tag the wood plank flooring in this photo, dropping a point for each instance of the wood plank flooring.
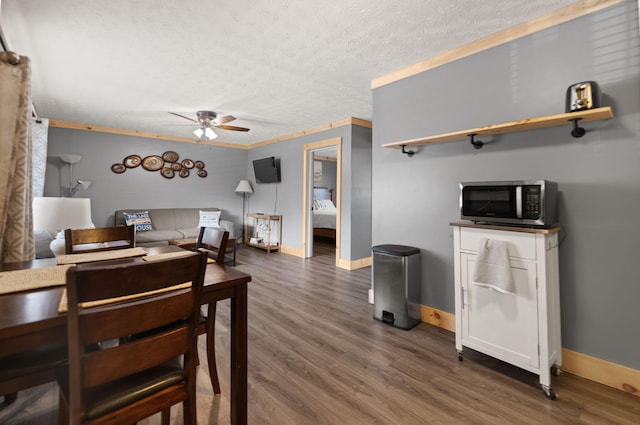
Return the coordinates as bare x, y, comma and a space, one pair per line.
317, 356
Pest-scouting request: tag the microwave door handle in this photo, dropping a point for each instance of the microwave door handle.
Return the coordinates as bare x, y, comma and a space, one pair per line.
519, 201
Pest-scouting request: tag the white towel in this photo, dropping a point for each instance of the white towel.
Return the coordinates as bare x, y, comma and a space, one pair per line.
492, 267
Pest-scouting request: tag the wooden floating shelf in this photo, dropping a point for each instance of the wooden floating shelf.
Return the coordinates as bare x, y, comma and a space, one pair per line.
510, 127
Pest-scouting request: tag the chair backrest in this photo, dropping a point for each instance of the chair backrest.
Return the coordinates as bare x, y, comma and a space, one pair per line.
213, 240
157, 301
98, 239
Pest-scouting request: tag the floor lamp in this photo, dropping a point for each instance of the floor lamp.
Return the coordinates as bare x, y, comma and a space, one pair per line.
77, 185
245, 188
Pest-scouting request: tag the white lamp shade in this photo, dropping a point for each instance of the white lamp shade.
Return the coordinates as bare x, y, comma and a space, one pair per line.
55, 214
210, 133
244, 187
198, 132
70, 158
83, 184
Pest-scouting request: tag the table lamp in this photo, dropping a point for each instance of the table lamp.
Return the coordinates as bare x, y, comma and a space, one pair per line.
56, 214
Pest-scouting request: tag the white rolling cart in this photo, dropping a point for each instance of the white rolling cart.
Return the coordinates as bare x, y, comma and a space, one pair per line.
523, 328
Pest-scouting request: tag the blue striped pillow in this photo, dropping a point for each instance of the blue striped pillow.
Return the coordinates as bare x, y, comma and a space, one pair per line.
140, 220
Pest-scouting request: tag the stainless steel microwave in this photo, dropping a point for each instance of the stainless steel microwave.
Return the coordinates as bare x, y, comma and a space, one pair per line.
520, 202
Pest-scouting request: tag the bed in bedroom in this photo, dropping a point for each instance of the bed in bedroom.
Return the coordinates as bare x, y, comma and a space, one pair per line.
324, 213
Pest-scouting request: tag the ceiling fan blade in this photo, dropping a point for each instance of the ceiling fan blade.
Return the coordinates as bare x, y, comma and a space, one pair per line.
186, 118
231, 127
224, 120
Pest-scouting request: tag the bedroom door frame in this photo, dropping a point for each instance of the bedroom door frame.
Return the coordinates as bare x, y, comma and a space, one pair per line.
307, 197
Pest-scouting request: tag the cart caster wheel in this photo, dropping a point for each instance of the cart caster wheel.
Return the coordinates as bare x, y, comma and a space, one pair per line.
460, 356
555, 370
549, 393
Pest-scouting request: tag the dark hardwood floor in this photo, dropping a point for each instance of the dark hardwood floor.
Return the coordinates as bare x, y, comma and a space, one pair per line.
317, 356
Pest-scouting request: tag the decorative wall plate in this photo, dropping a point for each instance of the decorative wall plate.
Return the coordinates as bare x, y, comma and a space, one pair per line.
152, 163
170, 156
132, 161
168, 164
118, 168
167, 173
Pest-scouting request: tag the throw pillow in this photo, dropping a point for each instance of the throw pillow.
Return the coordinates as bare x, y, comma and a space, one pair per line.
42, 240
140, 220
209, 218
324, 204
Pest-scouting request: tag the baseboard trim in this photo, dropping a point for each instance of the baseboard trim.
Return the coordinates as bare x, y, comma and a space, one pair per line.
292, 251
353, 264
340, 263
439, 318
601, 371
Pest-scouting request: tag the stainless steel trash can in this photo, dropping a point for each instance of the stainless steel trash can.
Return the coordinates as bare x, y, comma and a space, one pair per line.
396, 278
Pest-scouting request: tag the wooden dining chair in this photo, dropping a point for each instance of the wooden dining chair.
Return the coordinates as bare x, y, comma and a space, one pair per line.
98, 239
158, 301
212, 241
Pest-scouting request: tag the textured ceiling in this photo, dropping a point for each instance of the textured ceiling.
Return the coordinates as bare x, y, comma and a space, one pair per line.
279, 66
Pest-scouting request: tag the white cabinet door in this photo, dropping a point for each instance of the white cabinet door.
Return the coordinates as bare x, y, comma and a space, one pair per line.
501, 325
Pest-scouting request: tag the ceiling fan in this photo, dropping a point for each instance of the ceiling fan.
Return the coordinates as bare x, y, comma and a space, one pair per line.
208, 119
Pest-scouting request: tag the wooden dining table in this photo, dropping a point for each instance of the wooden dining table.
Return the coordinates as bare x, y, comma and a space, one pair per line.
31, 319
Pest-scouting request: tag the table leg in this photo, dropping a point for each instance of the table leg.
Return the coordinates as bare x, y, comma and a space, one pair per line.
239, 356
235, 249
211, 347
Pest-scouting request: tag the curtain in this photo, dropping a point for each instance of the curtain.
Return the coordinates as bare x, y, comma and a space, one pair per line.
39, 135
16, 226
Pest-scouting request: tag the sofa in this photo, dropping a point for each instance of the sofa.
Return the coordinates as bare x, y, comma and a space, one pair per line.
169, 224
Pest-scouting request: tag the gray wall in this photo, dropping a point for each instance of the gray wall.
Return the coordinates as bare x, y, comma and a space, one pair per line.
359, 171
329, 175
415, 199
137, 187
285, 198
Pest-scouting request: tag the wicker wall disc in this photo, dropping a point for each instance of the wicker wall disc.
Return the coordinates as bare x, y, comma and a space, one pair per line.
170, 156
118, 168
132, 161
167, 173
152, 163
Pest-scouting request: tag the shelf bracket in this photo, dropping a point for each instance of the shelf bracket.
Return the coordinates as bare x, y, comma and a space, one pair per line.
477, 144
408, 153
577, 131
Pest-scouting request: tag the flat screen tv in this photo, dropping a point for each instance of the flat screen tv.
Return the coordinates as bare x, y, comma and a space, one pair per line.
267, 170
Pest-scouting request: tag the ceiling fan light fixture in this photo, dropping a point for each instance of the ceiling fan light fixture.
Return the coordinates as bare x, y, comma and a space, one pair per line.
210, 133
206, 120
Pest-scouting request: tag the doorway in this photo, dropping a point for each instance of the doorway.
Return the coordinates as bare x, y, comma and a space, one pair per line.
320, 158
